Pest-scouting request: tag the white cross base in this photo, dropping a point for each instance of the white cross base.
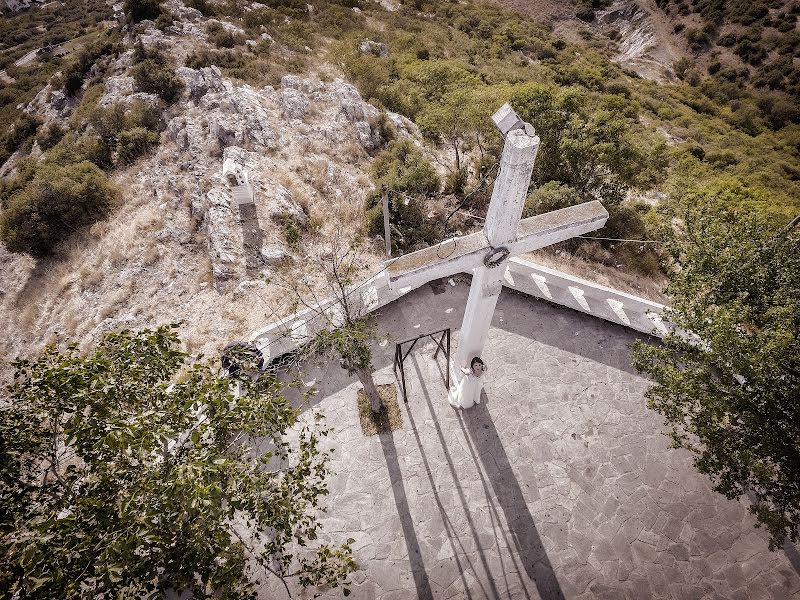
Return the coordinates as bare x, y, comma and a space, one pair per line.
504, 235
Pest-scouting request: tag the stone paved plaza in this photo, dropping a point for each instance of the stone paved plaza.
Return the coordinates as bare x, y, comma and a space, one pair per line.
560, 484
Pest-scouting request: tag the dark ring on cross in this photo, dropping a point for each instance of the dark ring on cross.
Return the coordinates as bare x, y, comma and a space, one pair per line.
496, 256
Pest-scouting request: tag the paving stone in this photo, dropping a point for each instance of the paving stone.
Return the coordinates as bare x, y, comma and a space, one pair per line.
560, 484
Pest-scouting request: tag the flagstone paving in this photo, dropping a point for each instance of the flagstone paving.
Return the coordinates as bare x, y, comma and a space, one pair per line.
560, 484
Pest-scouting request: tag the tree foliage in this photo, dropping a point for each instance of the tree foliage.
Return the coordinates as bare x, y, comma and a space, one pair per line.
728, 380
128, 472
587, 144
56, 202
337, 321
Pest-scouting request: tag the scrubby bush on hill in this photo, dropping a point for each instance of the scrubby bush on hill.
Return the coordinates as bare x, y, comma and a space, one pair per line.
133, 143
18, 135
156, 78
153, 73
56, 202
409, 178
551, 196
75, 73
49, 136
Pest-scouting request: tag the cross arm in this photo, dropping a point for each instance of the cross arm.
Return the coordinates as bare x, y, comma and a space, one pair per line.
461, 255
556, 226
447, 258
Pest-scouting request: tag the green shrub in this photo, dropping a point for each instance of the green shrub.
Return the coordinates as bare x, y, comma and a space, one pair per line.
721, 159
49, 136
410, 226
402, 167
159, 79
21, 133
222, 38
456, 181
224, 59
58, 201
134, 143
164, 20
75, 72
682, 66
551, 196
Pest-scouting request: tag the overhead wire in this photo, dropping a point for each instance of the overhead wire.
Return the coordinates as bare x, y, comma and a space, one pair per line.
588, 237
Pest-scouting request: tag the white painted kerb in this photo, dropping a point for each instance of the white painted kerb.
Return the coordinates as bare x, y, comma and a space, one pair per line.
521, 275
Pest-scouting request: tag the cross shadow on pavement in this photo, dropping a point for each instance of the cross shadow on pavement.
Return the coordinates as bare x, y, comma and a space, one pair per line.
418, 571
506, 488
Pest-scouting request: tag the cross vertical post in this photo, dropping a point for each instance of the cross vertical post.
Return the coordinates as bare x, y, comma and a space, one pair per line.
484, 253
505, 210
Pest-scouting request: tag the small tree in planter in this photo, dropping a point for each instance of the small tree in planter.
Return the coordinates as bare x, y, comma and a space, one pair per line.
345, 327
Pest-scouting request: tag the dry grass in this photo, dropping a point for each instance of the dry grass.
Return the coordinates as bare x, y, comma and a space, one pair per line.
387, 419
150, 255
72, 322
631, 283
115, 302
28, 315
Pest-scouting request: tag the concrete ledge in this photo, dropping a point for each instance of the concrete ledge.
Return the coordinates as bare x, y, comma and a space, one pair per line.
586, 296
287, 334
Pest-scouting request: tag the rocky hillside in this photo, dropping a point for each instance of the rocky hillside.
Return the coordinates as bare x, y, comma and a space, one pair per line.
752, 44
177, 247
322, 104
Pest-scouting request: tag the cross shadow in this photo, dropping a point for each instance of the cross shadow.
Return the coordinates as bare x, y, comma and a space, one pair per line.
459, 490
252, 239
506, 488
421, 581
490, 503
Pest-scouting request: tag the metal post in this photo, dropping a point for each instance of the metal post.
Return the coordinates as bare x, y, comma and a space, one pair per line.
447, 367
403, 375
386, 233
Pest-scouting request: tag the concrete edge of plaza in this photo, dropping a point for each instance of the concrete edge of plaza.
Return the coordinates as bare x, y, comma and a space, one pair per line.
521, 275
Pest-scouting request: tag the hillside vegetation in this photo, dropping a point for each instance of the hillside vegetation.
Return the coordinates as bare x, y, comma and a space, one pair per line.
647, 150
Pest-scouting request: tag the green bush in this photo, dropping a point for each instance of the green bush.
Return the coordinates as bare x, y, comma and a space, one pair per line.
134, 143
551, 196
456, 181
402, 167
159, 79
721, 158
224, 59
164, 20
58, 201
49, 136
222, 38
411, 228
21, 133
75, 72
409, 177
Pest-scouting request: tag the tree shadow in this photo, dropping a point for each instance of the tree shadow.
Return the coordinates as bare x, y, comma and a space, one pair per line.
792, 554
421, 581
507, 490
252, 239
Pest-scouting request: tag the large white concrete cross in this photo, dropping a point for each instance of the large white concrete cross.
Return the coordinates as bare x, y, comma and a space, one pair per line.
504, 235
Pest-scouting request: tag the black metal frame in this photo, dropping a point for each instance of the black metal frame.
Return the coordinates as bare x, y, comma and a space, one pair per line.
443, 345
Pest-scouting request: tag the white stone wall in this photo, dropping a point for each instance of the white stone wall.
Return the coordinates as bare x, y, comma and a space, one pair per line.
285, 335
